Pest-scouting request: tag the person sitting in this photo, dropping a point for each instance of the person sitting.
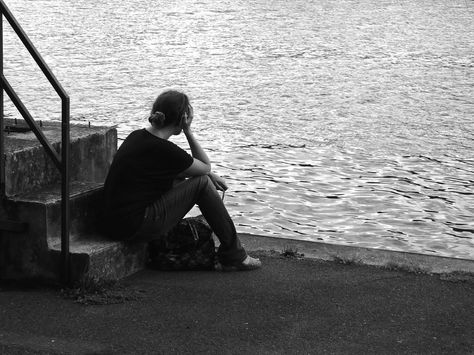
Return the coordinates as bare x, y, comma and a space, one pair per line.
152, 184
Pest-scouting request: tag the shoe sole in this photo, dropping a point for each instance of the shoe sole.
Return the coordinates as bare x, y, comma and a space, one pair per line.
230, 268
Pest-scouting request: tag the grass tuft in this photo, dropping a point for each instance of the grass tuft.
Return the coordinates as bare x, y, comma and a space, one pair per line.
457, 277
99, 292
290, 252
405, 268
344, 261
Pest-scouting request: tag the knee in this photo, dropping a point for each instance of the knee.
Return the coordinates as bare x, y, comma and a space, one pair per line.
202, 180
205, 179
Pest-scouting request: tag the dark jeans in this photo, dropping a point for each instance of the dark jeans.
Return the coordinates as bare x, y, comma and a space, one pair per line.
169, 209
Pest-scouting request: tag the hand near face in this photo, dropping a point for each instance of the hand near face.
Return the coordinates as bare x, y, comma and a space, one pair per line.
187, 120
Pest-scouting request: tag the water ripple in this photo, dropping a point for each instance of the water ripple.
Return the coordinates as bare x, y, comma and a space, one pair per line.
356, 132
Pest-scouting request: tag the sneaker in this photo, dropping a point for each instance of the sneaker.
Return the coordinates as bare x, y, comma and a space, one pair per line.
248, 264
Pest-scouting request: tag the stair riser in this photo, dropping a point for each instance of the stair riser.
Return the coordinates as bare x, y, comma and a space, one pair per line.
111, 263
84, 216
85, 210
22, 254
31, 169
25, 257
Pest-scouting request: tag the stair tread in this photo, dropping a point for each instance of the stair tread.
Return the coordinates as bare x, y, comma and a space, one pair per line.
20, 141
98, 258
89, 245
52, 193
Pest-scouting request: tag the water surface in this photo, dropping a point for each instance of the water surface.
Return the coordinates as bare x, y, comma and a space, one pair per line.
343, 121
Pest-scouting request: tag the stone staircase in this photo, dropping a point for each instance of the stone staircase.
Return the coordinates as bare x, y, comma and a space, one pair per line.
31, 247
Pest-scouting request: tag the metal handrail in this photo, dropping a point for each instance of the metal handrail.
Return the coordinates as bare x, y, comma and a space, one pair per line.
62, 161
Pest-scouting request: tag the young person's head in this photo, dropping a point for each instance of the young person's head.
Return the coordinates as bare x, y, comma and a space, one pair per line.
169, 109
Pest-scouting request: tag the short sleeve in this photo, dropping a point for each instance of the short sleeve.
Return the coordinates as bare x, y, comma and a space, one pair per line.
177, 158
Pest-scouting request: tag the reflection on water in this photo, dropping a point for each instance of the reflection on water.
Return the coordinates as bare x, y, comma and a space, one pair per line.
343, 121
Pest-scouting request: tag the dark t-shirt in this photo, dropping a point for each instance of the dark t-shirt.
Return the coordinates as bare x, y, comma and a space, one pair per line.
144, 167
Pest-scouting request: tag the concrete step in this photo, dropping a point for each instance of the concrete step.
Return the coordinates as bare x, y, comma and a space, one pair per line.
95, 258
29, 168
41, 209
26, 253
33, 196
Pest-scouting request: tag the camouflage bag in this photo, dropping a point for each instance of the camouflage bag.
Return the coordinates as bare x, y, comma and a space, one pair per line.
188, 246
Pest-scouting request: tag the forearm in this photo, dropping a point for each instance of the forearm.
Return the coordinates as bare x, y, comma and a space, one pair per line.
196, 148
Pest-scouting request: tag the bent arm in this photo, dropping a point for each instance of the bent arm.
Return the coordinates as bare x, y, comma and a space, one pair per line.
196, 149
201, 164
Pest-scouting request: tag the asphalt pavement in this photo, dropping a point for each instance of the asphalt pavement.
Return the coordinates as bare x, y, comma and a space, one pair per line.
290, 306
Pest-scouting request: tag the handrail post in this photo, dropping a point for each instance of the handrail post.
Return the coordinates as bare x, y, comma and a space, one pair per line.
65, 216
2, 123
63, 162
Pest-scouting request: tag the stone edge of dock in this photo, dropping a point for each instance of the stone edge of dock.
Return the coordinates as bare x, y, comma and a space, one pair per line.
348, 254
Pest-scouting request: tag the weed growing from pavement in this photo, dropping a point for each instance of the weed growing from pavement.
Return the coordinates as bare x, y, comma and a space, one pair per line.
93, 292
406, 268
343, 261
457, 277
290, 252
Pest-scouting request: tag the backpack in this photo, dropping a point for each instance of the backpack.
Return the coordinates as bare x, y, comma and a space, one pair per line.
188, 246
